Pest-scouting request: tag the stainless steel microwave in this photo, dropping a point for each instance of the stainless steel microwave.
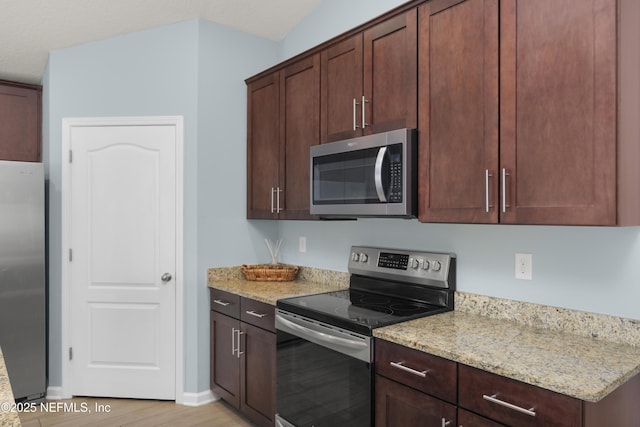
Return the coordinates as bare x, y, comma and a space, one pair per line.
368, 176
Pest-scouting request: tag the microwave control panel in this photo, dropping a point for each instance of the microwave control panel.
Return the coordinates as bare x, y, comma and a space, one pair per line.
395, 174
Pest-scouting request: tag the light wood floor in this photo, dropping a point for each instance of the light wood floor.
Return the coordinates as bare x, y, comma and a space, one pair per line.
130, 413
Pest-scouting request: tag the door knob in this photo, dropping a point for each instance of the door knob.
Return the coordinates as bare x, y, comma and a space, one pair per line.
166, 277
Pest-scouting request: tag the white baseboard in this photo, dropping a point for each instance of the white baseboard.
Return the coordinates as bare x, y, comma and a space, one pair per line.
54, 393
198, 399
188, 399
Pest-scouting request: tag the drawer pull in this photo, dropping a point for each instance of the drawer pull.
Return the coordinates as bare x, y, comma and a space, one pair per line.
400, 365
222, 303
531, 412
253, 313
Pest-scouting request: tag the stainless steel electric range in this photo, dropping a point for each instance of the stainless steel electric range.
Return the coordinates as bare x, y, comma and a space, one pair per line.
324, 364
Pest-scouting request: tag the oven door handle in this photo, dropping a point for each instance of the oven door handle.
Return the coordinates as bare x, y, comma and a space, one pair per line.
352, 347
356, 345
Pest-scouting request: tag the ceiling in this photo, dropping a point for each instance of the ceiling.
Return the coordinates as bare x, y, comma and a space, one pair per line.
30, 29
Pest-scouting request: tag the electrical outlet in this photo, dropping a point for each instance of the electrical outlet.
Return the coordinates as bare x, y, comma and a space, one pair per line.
302, 244
524, 266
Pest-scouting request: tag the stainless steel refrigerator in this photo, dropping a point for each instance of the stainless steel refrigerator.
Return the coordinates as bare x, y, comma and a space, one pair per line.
22, 277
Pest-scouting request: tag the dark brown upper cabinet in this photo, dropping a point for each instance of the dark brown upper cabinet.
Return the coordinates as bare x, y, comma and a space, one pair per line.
369, 80
458, 111
20, 122
559, 144
558, 112
283, 122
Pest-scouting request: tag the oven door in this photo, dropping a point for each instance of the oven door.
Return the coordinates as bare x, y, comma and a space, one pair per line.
324, 374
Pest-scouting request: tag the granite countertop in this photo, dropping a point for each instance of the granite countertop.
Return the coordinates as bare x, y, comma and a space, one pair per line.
578, 354
309, 281
578, 366
7, 418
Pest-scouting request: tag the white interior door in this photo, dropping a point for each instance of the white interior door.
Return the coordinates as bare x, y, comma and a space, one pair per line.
122, 261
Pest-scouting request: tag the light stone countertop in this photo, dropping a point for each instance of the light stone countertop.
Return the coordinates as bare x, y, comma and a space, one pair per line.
578, 354
309, 281
7, 418
578, 366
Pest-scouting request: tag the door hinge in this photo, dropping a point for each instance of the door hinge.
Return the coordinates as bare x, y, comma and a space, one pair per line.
70, 156
70, 353
70, 255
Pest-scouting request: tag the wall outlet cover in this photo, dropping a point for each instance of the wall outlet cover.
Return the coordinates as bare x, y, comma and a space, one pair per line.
524, 266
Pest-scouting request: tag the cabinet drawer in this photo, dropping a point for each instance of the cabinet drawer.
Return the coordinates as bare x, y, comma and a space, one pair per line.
422, 371
258, 314
515, 403
225, 303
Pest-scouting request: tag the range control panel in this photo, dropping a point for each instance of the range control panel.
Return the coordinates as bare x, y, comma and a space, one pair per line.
429, 268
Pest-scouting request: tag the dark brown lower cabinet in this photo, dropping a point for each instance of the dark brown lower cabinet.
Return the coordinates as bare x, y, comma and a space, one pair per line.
399, 405
225, 365
469, 419
243, 360
417, 389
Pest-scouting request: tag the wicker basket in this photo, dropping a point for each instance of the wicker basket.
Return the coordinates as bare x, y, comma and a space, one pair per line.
270, 272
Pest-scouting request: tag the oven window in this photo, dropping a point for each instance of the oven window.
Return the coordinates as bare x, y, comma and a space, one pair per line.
321, 387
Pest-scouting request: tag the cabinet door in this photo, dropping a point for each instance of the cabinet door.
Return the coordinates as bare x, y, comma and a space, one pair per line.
558, 111
225, 365
263, 146
20, 123
341, 86
300, 129
469, 419
458, 113
399, 405
258, 374
390, 74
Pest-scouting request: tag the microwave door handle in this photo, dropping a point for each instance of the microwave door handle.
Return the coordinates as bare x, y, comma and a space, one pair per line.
378, 174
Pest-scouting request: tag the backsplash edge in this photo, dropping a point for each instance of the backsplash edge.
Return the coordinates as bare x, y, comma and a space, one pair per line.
598, 326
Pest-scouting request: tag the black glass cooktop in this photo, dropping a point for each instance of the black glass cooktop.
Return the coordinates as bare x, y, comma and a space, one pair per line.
357, 310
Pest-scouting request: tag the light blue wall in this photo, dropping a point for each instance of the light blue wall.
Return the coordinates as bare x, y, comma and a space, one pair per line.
583, 268
226, 58
194, 69
331, 18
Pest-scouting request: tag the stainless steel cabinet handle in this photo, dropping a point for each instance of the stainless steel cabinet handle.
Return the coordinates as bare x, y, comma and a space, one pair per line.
271, 199
364, 121
487, 175
222, 303
401, 366
505, 174
233, 341
239, 332
445, 423
378, 174
278, 209
253, 313
531, 412
355, 124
